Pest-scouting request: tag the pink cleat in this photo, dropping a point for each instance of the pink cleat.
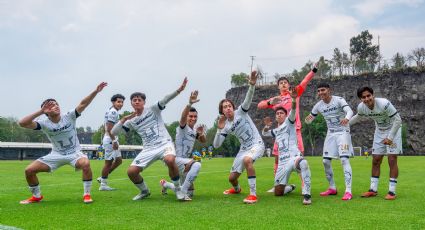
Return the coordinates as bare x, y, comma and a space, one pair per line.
329, 192
347, 196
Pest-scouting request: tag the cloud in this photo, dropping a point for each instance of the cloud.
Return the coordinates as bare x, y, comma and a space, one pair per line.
372, 8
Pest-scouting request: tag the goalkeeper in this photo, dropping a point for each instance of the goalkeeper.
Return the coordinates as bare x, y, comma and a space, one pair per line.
186, 134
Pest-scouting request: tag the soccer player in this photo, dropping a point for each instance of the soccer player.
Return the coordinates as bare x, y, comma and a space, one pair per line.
284, 101
157, 143
337, 144
113, 157
62, 133
290, 158
186, 135
239, 123
387, 138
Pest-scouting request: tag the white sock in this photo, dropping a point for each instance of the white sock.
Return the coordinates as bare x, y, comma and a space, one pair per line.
346, 166
252, 185
87, 186
169, 185
288, 189
374, 181
141, 186
393, 184
306, 177
329, 173
35, 190
191, 176
103, 181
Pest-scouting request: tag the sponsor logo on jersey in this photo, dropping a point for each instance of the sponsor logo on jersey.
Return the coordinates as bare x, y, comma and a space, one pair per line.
62, 128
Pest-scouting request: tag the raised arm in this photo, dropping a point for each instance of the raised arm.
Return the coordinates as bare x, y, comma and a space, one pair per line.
118, 127
303, 85
250, 94
267, 132
192, 100
87, 100
171, 96
219, 136
200, 133
28, 121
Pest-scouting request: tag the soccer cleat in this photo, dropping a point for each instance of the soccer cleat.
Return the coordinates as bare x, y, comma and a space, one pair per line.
250, 199
186, 198
307, 199
179, 194
347, 196
31, 200
369, 193
232, 191
271, 190
105, 188
329, 192
390, 196
163, 188
142, 195
99, 179
87, 199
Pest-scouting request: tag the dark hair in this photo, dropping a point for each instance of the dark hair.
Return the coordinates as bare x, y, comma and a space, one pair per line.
323, 85
220, 106
47, 100
363, 89
116, 97
282, 79
281, 108
192, 109
138, 94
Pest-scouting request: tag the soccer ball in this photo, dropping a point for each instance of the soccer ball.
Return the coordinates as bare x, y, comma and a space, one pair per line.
196, 156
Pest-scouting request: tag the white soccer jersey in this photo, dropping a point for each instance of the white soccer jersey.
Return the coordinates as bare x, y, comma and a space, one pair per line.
382, 113
185, 139
62, 135
243, 128
333, 112
286, 139
150, 126
111, 116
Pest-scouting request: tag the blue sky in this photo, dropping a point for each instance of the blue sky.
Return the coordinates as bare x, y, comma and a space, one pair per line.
63, 49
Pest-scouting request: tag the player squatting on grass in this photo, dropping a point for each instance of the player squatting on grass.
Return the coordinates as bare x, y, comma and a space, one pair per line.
62, 133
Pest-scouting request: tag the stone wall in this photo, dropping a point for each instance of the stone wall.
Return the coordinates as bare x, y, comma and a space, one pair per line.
404, 89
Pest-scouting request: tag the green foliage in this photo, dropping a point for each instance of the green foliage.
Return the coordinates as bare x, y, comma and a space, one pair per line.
171, 128
10, 131
98, 135
365, 55
314, 131
240, 79
399, 61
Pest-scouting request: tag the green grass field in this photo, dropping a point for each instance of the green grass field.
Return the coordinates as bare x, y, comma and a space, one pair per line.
62, 207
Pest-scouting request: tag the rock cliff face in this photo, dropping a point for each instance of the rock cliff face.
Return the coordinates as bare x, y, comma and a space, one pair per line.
404, 89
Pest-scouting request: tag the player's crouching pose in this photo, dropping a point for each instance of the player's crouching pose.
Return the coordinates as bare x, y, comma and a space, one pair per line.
337, 144
186, 134
62, 133
157, 143
387, 138
239, 123
113, 157
290, 158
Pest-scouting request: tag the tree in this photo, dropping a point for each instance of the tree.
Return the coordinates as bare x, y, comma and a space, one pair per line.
240, 79
89, 129
418, 55
398, 61
314, 131
323, 66
171, 128
338, 61
365, 55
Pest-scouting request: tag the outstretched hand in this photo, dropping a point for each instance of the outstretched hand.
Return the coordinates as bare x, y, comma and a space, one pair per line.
200, 129
293, 91
183, 85
252, 80
221, 122
309, 119
267, 121
193, 97
101, 86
